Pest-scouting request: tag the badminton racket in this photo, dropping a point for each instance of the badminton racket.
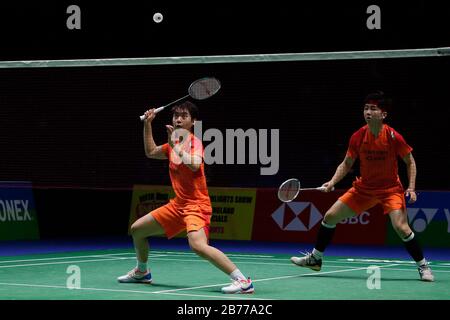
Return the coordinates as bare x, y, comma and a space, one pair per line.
290, 189
199, 90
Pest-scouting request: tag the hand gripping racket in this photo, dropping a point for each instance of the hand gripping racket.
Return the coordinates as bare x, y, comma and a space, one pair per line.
199, 89
290, 189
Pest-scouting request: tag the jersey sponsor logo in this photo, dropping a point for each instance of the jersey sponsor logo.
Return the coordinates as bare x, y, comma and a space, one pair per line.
375, 155
297, 216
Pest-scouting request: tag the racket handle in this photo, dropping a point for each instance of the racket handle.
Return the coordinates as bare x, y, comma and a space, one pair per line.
323, 188
159, 109
156, 111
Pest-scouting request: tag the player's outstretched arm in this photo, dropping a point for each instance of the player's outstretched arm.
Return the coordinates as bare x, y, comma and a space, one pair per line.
411, 170
340, 173
152, 151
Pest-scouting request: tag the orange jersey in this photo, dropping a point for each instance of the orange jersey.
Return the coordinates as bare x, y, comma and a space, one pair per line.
189, 186
378, 157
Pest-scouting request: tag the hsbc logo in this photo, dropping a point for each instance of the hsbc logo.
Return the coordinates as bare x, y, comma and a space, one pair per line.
362, 218
420, 218
297, 216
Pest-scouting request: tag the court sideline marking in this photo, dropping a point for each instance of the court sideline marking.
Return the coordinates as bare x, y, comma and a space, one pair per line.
173, 291
278, 278
130, 291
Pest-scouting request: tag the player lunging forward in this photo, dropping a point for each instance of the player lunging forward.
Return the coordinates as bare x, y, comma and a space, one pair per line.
190, 210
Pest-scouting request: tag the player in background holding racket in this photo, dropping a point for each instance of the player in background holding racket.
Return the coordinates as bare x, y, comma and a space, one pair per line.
190, 210
377, 145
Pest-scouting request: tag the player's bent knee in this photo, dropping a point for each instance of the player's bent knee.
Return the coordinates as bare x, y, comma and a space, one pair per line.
198, 247
330, 218
135, 229
402, 230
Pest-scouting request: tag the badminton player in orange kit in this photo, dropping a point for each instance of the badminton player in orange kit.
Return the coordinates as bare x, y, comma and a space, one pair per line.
377, 146
190, 210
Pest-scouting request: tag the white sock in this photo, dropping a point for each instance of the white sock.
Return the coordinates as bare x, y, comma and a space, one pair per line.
317, 254
142, 266
422, 262
409, 238
237, 275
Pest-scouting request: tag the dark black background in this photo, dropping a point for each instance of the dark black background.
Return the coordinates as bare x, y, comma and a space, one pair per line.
75, 134
37, 30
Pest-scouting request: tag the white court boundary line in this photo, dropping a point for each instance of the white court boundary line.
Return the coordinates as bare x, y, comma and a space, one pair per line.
246, 256
105, 258
174, 291
278, 278
68, 257
152, 253
129, 291
117, 256
157, 256
250, 255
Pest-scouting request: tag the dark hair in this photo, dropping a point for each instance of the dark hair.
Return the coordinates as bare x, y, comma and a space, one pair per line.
383, 102
189, 106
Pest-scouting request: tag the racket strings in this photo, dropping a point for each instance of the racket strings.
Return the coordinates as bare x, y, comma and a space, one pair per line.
204, 88
289, 190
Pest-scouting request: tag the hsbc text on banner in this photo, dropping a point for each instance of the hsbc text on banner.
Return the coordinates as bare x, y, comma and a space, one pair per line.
299, 220
429, 218
18, 218
232, 216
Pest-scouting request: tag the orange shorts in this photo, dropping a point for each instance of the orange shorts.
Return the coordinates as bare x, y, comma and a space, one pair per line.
360, 200
175, 218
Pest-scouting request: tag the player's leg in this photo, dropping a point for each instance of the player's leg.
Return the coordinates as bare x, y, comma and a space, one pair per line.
198, 241
140, 230
199, 244
399, 220
143, 228
338, 212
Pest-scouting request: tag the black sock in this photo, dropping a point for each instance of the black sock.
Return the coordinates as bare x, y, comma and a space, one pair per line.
413, 247
324, 236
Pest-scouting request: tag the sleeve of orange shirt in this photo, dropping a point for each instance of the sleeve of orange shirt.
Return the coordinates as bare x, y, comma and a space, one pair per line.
352, 150
401, 147
165, 149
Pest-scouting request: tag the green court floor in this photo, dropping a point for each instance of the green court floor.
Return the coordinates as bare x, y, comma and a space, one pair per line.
182, 275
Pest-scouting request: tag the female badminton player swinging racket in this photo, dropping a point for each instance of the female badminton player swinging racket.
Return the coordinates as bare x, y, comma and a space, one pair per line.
377, 146
190, 210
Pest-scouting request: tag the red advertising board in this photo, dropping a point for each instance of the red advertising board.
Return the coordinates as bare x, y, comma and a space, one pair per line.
299, 220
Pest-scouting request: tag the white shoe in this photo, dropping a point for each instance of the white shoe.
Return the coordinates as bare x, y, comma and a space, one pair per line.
425, 273
135, 276
308, 261
239, 286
